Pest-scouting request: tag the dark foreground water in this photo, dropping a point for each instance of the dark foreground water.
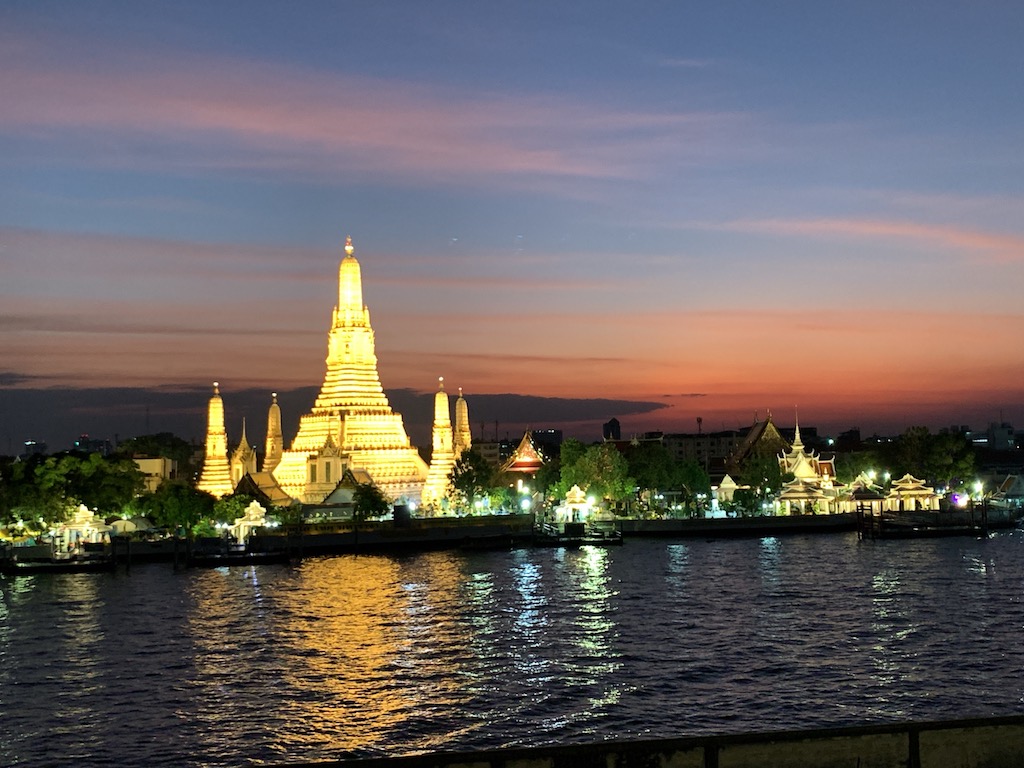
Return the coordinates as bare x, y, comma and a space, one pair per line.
369, 655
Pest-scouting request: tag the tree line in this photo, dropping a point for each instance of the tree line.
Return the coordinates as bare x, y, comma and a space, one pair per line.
634, 479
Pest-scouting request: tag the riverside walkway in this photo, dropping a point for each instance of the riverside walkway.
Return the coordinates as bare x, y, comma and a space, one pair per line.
996, 742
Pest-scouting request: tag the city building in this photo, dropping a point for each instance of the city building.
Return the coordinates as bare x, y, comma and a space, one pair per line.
155, 470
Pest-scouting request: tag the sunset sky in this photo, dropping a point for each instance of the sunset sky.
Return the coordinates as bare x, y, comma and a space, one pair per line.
718, 207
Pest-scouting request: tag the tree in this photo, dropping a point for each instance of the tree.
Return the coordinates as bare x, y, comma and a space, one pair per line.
651, 466
105, 484
570, 454
368, 500
471, 477
23, 497
229, 508
692, 480
943, 459
178, 505
762, 473
600, 470
547, 477
850, 465
46, 489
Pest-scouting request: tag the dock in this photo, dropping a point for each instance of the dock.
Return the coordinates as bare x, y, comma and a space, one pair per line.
974, 520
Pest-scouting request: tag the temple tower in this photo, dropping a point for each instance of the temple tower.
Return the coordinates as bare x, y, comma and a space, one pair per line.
352, 408
275, 438
442, 457
243, 460
216, 476
463, 436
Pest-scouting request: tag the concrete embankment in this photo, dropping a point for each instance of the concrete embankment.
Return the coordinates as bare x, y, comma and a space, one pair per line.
415, 534
979, 743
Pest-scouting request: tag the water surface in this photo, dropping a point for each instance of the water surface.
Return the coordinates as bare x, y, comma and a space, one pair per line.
376, 655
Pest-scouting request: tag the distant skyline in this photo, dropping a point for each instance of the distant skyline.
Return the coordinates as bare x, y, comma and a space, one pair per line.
721, 208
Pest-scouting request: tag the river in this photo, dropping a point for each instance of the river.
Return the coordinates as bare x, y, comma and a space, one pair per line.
365, 655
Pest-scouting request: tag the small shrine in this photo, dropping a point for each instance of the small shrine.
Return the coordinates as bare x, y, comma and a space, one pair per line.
84, 527
576, 508
801, 496
255, 517
909, 494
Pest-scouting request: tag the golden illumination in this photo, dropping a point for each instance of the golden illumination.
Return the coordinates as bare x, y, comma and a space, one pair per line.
442, 457
216, 475
351, 417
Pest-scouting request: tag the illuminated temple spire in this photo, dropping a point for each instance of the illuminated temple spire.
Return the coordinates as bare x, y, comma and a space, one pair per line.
216, 476
352, 409
442, 457
243, 460
797, 442
275, 438
463, 436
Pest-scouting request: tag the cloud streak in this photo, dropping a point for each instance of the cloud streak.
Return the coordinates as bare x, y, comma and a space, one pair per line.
228, 113
981, 246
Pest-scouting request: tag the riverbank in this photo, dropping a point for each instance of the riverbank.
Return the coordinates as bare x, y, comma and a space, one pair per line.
293, 543
728, 527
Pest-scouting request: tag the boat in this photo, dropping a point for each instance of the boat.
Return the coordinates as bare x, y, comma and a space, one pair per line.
225, 559
45, 560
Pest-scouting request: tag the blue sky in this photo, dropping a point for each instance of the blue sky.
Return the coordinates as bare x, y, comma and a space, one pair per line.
768, 205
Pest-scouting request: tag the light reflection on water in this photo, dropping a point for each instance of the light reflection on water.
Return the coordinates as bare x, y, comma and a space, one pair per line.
368, 655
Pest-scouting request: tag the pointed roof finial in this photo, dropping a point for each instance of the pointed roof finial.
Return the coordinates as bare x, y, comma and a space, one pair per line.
460, 391
349, 248
440, 383
274, 395
216, 387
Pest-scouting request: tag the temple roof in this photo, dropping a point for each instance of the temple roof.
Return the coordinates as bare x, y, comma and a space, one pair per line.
909, 485
526, 458
263, 487
799, 488
763, 439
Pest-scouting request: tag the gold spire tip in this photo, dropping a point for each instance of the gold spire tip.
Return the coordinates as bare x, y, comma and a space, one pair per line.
349, 248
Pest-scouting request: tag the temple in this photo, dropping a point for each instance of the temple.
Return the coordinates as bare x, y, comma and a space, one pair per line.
525, 459
442, 456
216, 475
813, 488
462, 437
351, 425
275, 438
243, 460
